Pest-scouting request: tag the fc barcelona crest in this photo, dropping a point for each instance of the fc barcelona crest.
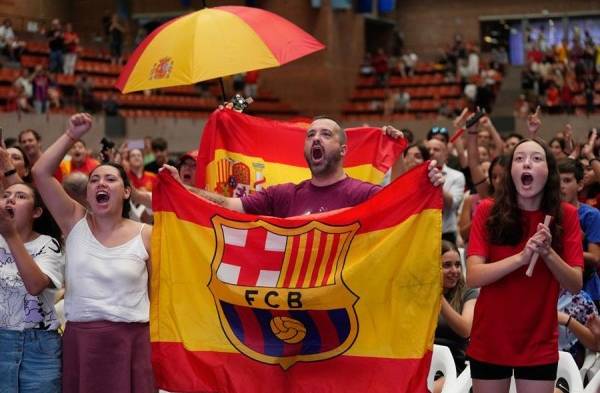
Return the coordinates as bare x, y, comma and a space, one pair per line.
279, 291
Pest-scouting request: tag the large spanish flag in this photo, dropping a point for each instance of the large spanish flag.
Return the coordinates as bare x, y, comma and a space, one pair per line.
240, 154
343, 301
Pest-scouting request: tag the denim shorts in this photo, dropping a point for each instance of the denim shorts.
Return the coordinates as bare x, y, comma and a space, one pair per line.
30, 361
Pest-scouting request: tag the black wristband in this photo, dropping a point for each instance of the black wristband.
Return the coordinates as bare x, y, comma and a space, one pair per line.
10, 172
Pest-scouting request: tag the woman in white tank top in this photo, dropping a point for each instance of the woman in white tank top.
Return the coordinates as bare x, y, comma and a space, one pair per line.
106, 345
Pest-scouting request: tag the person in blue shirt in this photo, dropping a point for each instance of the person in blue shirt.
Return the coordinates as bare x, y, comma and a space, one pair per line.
571, 182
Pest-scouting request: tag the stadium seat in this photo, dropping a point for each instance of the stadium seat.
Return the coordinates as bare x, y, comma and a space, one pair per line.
443, 362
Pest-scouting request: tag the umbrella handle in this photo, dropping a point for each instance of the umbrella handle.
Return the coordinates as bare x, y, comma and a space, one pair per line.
223, 96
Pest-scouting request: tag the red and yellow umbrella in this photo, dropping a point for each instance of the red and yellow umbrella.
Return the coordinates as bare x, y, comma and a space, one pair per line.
212, 43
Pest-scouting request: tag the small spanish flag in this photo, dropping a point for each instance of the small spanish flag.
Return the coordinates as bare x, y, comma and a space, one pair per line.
343, 301
241, 154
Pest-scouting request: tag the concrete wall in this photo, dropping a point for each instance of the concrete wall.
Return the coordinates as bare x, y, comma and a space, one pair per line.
184, 135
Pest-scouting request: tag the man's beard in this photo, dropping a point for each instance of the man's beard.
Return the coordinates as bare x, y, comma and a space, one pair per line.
328, 165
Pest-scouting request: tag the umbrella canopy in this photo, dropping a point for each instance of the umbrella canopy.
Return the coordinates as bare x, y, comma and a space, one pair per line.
212, 43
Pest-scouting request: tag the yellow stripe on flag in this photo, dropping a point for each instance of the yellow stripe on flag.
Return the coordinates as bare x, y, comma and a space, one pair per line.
276, 173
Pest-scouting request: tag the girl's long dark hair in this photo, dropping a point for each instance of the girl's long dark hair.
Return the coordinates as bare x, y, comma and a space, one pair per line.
126, 184
505, 223
502, 161
45, 223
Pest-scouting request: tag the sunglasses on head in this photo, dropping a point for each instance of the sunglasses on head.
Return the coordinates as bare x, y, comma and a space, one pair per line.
439, 130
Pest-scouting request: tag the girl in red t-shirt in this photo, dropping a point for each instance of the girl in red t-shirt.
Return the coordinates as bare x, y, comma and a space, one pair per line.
515, 322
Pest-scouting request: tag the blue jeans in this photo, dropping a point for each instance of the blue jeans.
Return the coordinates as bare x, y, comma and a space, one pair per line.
30, 361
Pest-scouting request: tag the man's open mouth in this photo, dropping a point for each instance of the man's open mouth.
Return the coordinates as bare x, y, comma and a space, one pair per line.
316, 152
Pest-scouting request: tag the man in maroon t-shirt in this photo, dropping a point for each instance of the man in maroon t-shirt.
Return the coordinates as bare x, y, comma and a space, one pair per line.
329, 188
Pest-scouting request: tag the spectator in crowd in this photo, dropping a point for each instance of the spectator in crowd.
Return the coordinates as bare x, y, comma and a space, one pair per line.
251, 84
161, 155
396, 101
116, 31
495, 174
409, 60
107, 275
456, 315
558, 148
453, 188
573, 336
522, 107
79, 161
84, 92
366, 68
415, 154
41, 84
24, 90
30, 141
71, 40
239, 83
9, 44
511, 141
571, 182
381, 67
138, 177
20, 162
56, 43
111, 105
32, 264
187, 168
75, 185
505, 234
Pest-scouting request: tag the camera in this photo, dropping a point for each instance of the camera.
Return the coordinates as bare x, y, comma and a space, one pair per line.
240, 103
107, 145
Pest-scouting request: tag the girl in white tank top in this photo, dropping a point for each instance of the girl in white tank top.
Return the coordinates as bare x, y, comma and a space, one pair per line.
106, 345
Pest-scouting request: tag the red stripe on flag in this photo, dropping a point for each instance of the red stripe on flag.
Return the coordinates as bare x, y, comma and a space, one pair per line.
179, 370
319, 261
310, 236
327, 330
400, 198
292, 262
251, 328
332, 258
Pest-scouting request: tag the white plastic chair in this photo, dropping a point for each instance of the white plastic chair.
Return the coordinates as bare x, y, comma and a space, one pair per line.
462, 384
567, 369
594, 385
442, 361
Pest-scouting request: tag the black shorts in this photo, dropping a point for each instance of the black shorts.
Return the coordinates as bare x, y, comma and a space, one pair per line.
488, 371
